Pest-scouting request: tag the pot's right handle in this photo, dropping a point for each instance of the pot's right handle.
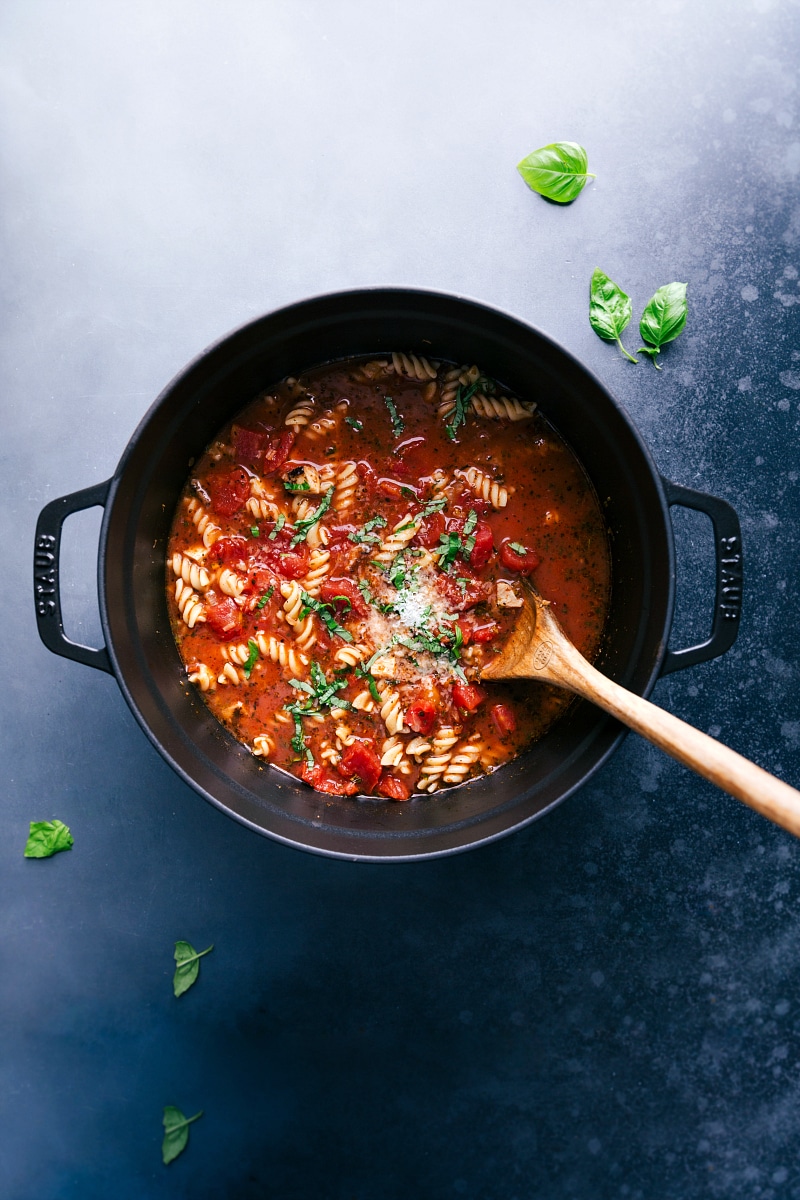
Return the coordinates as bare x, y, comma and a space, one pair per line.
46, 562
728, 555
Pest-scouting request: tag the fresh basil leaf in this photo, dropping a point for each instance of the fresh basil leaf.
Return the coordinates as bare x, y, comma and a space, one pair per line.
188, 968
252, 658
176, 1132
325, 613
459, 415
354, 424
663, 319
398, 424
517, 548
471, 521
290, 486
557, 171
254, 531
47, 838
265, 599
609, 309
364, 588
434, 506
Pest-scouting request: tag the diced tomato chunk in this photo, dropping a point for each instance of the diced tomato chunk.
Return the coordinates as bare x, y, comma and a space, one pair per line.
324, 780
484, 633
249, 445
393, 788
391, 488
524, 563
465, 594
333, 589
431, 530
484, 545
228, 491
231, 552
421, 715
277, 450
278, 556
468, 696
224, 618
504, 718
362, 763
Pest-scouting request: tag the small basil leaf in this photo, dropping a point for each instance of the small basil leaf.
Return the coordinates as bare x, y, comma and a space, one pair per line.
188, 967
557, 171
176, 1132
609, 309
663, 319
47, 838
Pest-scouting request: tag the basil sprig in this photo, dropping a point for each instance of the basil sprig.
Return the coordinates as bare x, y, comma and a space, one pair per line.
252, 658
365, 535
302, 527
461, 409
47, 838
325, 612
176, 1132
398, 424
188, 968
609, 309
663, 319
557, 171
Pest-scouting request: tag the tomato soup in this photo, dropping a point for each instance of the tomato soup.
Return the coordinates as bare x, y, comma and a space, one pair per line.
346, 556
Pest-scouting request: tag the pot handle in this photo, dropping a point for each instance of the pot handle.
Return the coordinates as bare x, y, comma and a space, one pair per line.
728, 556
46, 561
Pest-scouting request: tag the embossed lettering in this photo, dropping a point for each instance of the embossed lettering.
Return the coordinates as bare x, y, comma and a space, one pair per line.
542, 656
45, 576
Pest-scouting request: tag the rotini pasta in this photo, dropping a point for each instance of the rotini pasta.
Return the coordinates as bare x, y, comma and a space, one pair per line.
345, 488
433, 767
462, 759
405, 529
231, 583
413, 367
263, 745
484, 486
301, 413
189, 604
190, 571
205, 526
502, 406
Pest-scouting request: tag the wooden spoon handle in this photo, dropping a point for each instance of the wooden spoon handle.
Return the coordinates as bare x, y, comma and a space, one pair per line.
765, 793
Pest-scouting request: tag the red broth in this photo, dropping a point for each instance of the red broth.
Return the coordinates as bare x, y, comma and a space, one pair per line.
347, 554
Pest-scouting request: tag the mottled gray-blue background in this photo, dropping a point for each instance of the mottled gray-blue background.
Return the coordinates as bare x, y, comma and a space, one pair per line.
604, 1005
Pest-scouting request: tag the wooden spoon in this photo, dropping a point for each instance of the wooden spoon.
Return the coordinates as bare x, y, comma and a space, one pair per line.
538, 648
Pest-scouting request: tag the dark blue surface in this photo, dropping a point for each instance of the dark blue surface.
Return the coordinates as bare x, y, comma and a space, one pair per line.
605, 1005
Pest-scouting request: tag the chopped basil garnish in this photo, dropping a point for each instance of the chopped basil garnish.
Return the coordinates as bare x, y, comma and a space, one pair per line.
325, 613
254, 531
471, 521
365, 536
252, 658
461, 409
364, 588
303, 526
354, 424
290, 486
398, 424
265, 599
434, 506
279, 524
515, 546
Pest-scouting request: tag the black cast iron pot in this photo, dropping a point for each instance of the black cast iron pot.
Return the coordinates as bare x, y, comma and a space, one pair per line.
140, 499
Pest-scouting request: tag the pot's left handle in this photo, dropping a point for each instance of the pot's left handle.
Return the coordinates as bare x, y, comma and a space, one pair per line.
46, 560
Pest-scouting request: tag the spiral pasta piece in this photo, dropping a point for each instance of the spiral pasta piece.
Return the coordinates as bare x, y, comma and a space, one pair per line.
367, 372
453, 379
393, 755
485, 487
282, 653
263, 745
318, 535
351, 655
322, 427
418, 747
345, 487
190, 571
202, 675
305, 634
364, 702
391, 710
292, 601
231, 583
189, 604
434, 765
205, 526
413, 367
501, 406
263, 509
398, 539
301, 413
237, 654
462, 760
231, 674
